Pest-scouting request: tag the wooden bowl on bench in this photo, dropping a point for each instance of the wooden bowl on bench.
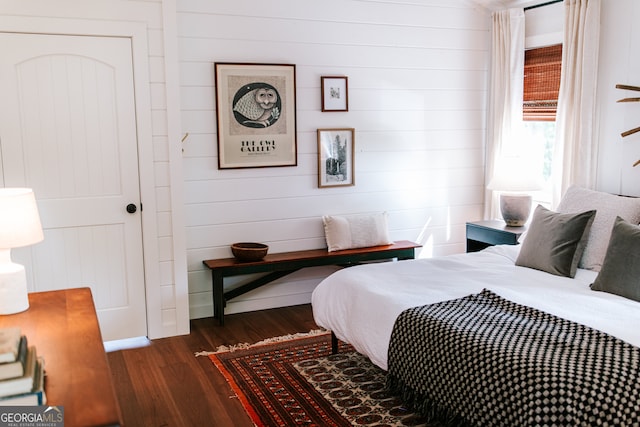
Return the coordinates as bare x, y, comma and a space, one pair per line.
249, 251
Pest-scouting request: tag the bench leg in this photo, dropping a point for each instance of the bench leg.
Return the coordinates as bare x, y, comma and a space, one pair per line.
218, 297
334, 343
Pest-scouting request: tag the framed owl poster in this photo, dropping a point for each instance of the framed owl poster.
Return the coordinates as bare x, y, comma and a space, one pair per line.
256, 112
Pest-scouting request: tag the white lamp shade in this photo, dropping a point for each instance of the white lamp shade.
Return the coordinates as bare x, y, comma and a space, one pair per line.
514, 183
19, 219
515, 174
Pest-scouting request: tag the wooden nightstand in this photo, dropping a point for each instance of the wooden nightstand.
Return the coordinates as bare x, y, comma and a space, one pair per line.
482, 234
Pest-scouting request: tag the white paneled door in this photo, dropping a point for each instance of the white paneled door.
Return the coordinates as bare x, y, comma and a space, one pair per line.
68, 130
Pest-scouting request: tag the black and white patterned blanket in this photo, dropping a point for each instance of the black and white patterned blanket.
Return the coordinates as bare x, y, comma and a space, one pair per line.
482, 360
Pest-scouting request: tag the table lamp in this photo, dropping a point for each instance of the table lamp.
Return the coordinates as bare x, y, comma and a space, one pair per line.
513, 181
19, 226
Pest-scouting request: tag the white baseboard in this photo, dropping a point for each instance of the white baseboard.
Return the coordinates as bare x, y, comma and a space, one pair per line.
126, 343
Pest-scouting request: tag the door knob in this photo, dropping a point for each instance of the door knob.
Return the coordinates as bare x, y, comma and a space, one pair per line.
131, 208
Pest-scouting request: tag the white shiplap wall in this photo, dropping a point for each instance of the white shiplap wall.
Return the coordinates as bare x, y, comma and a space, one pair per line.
618, 64
417, 94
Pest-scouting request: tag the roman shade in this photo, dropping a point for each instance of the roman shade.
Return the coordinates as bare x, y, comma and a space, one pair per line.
541, 83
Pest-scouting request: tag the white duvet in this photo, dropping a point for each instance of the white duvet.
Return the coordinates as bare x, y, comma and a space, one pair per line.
360, 304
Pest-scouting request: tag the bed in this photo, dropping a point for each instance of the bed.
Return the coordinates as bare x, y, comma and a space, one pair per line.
362, 306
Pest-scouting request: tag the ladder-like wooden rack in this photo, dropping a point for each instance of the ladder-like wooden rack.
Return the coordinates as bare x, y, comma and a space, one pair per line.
632, 99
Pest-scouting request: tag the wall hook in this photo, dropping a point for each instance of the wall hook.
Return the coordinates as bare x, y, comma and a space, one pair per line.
184, 138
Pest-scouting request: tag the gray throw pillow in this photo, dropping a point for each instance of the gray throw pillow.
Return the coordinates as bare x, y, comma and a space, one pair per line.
555, 241
620, 273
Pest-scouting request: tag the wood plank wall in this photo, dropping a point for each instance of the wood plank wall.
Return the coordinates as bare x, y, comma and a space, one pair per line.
418, 73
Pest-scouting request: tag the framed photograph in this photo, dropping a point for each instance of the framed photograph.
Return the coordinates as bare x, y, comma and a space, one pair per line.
336, 157
335, 93
256, 111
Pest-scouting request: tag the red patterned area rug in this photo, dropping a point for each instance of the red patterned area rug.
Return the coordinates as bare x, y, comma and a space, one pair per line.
299, 382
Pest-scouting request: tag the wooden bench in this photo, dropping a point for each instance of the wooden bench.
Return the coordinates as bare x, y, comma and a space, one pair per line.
281, 264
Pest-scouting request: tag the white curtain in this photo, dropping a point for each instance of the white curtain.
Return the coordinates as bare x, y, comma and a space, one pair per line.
505, 95
576, 147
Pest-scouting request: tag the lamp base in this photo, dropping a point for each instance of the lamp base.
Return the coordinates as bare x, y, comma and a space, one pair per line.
515, 209
13, 289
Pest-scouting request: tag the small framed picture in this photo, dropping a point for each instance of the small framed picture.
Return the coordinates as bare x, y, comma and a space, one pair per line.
335, 93
336, 157
256, 112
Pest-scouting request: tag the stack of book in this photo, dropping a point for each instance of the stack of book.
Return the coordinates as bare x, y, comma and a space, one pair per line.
21, 370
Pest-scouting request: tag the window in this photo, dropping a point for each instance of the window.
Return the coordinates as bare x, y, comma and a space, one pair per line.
541, 86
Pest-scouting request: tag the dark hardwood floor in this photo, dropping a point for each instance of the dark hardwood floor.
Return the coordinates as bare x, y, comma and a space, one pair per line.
164, 384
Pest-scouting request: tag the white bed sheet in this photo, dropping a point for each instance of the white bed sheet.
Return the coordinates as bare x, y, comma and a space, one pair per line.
360, 304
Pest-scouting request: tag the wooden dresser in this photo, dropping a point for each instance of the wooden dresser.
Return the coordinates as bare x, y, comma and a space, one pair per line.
64, 328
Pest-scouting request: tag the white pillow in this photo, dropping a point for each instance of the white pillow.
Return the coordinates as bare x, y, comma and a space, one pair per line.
356, 231
608, 207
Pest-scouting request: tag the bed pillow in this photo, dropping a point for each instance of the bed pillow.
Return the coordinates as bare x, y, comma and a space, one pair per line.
555, 241
620, 273
356, 231
608, 207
